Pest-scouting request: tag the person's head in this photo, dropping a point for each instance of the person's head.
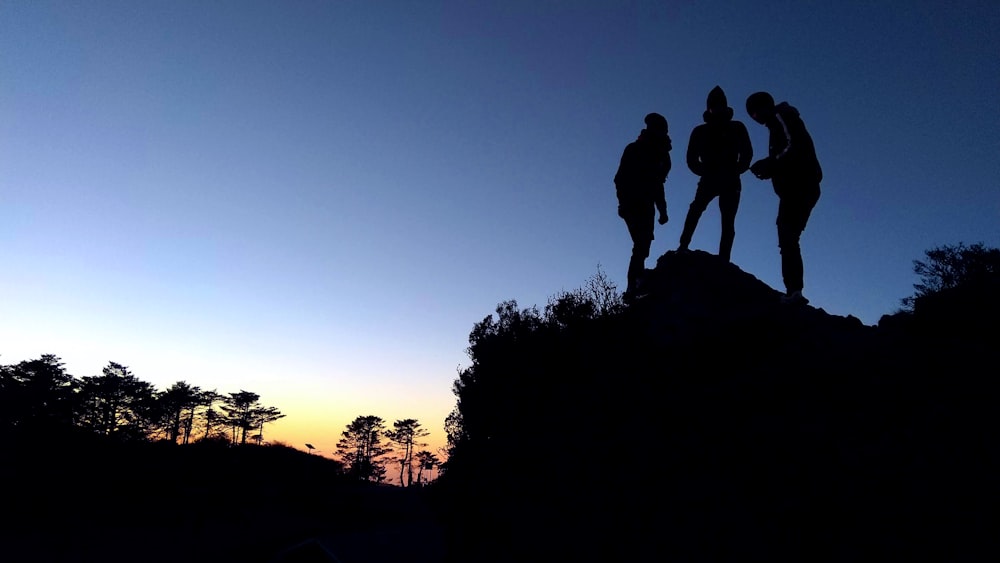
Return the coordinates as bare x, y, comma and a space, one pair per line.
717, 100
760, 106
656, 123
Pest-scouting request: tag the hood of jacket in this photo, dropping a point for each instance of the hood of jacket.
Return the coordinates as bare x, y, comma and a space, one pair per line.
647, 136
717, 107
785, 108
721, 116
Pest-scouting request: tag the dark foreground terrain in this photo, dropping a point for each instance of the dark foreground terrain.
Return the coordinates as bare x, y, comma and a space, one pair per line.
710, 421
84, 501
707, 422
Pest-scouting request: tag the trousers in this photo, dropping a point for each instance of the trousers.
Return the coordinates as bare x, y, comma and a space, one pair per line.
793, 214
640, 223
729, 202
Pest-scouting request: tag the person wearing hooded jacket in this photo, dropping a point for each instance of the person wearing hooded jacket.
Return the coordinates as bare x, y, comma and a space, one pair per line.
639, 181
793, 168
718, 152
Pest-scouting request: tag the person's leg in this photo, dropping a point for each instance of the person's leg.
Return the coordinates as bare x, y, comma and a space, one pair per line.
729, 203
640, 228
793, 214
637, 264
702, 197
788, 243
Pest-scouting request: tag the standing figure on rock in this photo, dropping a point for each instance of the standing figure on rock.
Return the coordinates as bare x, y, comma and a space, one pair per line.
795, 174
718, 152
642, 171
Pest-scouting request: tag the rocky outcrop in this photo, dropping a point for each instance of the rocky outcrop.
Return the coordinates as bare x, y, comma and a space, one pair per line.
709, 421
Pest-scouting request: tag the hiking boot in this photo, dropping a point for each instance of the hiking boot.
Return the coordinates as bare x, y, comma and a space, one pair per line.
794, 298
629, 294
640, 290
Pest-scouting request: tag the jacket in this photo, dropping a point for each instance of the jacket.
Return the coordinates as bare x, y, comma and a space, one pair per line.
719, 150
792, 151
643, 169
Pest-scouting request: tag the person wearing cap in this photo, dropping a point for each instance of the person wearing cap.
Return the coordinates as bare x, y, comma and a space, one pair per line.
793, 168
718, 152
639, 181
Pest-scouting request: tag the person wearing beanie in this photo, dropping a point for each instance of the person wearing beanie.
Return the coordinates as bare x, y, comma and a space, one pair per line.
793, 168
718, 152
639, 181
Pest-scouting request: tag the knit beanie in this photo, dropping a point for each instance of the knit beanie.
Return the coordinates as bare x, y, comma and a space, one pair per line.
656, 122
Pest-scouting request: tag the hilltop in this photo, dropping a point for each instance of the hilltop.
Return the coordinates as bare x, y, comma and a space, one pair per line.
709, 421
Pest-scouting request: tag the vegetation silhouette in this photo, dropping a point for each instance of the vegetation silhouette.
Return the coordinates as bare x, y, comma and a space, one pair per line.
405, 434
39, 396
709, 422
705, 422
107, 468
362, 447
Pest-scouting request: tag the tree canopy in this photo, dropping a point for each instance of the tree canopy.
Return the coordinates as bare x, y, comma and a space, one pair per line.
39, 397
954, 268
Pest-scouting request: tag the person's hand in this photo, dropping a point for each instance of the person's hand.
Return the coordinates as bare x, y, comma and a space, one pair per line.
664, 218
763, 168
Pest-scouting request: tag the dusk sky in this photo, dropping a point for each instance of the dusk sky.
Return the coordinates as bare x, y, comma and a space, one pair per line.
316, 200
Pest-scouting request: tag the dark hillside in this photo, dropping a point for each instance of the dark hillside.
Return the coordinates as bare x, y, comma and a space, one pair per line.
81, 499
710, 422
706, 422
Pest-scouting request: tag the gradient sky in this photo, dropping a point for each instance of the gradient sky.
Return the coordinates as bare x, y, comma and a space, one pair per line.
317, 200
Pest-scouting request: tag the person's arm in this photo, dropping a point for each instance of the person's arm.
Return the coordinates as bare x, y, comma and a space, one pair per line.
666, 161
661, 199
626, 171
693, 153
787, 149
745, 148
661, 204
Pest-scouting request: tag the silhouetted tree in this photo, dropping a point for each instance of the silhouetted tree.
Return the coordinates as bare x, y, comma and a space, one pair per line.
259, 416
453, 427
117, 403
486, 386
603, 293
190, 415
361, 448
212, 420
177, 406
506, 350
953, 268
529, 372
406, 434
9, 387
238, 408
37, 395
426, 461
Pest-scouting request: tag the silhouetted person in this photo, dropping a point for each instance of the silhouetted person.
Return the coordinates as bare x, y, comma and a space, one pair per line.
718, 152
642, 171
795, 173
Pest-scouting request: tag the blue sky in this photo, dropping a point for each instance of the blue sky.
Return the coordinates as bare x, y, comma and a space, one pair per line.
316, 201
